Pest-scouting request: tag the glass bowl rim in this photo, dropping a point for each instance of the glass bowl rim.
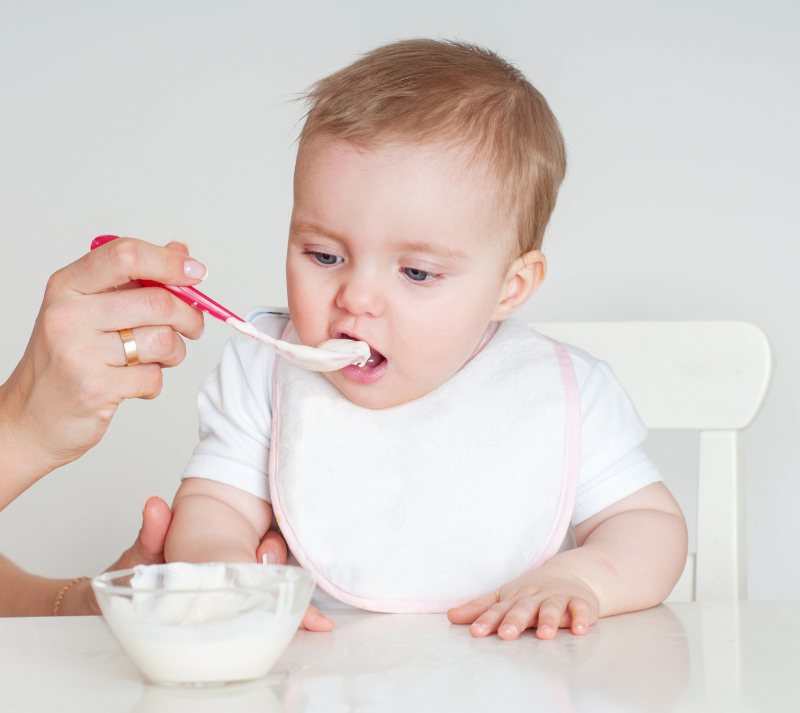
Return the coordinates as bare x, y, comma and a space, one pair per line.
101, 583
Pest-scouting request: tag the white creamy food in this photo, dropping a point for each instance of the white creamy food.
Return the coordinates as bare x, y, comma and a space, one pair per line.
194, 635
329, 356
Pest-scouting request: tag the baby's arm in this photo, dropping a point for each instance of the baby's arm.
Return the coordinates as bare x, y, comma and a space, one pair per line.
629, 557
215, 522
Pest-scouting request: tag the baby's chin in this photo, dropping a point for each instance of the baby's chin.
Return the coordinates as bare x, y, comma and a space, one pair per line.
386, 393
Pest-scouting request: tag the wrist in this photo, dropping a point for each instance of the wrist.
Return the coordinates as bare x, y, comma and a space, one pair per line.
76, 599
24, 459
572, 565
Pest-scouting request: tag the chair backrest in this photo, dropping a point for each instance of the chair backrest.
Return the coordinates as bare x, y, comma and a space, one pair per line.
711, 377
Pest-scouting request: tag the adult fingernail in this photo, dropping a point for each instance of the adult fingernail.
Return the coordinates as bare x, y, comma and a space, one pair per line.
480, 628
182, 242
144, 507
272, 557
195, 270
510, 629
202, 329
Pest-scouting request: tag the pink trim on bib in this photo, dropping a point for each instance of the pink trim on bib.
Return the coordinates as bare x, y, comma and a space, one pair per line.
572, 459
487, 337
569, 484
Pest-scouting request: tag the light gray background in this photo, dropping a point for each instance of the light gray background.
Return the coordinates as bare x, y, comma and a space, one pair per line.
165, 120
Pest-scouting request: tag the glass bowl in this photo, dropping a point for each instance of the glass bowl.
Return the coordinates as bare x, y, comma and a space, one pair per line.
204, 624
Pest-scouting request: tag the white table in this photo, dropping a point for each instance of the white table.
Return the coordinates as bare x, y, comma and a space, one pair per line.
677, 657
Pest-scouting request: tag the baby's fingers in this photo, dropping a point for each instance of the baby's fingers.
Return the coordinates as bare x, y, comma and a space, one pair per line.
551, 612
315, 620
469, 612
582, 616
488, 622
518, 619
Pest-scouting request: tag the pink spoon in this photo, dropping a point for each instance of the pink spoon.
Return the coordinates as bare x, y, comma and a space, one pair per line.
329, 356
190, 295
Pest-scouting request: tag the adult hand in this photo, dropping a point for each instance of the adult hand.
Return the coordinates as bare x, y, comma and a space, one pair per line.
61, 397
79, 599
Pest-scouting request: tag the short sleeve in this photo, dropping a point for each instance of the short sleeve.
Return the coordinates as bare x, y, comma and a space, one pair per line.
235, 409
613, 464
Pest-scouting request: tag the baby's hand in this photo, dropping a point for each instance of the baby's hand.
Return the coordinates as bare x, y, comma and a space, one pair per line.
546, 601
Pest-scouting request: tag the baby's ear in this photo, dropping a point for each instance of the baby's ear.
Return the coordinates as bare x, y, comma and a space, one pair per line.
523, 278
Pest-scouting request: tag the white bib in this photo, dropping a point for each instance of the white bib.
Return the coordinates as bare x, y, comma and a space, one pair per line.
427, 505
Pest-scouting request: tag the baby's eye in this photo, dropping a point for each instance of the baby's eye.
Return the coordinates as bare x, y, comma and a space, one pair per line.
327, 258
418, 275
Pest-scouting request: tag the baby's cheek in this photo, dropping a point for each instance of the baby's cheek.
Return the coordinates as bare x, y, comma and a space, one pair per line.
430, 367
310, 328
309, 316
450, 347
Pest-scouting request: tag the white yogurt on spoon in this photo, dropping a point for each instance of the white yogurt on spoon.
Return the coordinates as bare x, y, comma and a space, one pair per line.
329, 356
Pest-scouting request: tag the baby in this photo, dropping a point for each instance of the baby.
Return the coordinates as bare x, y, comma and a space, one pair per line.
444, 474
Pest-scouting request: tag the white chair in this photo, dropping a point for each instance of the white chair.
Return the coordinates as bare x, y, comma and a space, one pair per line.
712, 377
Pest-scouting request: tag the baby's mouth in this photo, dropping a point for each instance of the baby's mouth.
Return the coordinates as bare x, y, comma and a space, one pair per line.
375, 360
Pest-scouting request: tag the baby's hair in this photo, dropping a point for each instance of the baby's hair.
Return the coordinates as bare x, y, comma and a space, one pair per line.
428, 90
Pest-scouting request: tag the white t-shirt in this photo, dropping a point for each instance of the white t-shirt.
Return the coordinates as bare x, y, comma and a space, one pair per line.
235, 407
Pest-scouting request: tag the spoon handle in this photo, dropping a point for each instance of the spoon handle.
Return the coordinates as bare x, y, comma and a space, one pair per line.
189, 295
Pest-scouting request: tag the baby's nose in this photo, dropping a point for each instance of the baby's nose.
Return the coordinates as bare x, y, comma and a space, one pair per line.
362, 295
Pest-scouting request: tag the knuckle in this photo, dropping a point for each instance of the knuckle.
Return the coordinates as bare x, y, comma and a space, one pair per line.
551, 616
191, 322
552, 604
199, 320
104, 415
159, 303
163, 341
55, 283
90, 388
124, 253
526, 606
178, 352
173, 262
578, 604
150, 382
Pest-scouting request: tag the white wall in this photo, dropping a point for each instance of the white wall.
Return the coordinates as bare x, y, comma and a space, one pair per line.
170, 120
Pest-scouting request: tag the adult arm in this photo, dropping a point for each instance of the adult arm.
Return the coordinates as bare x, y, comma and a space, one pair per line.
59, 400
23, 594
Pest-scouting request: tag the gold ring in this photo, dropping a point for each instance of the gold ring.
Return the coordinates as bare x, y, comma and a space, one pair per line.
129, 344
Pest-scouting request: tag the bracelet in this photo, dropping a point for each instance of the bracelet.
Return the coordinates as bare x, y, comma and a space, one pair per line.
64, 591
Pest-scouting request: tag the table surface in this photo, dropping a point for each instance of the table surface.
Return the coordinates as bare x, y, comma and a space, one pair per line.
726, 656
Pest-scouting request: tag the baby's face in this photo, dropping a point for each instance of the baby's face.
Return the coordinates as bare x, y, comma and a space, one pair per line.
400, 247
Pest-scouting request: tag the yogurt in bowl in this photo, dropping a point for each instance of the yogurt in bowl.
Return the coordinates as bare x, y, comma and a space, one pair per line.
204, 624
